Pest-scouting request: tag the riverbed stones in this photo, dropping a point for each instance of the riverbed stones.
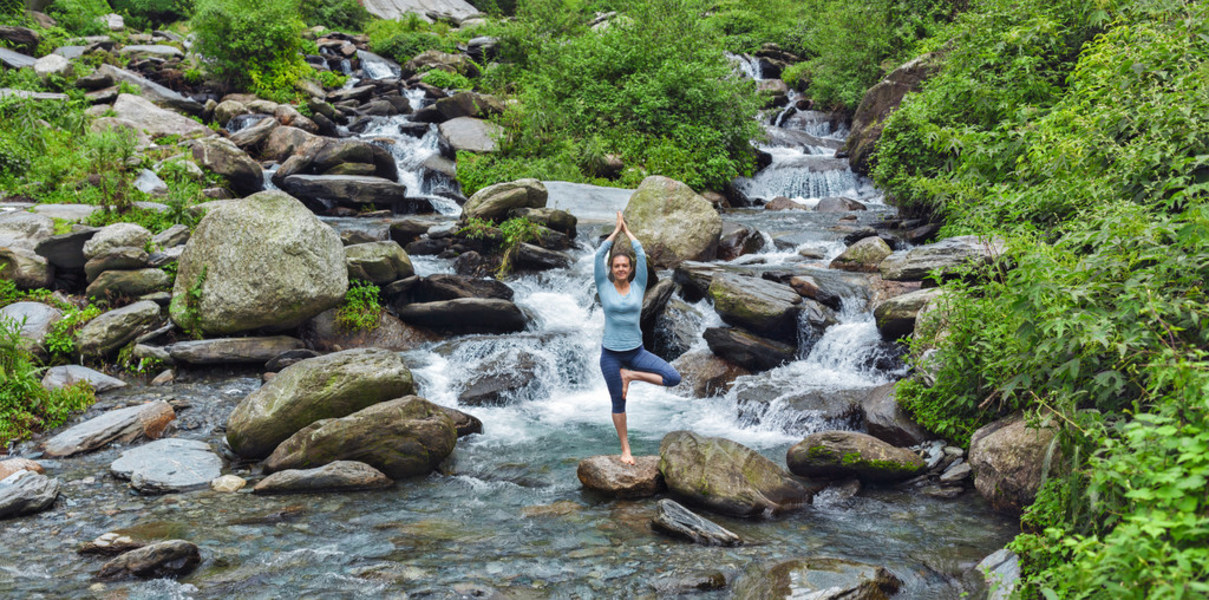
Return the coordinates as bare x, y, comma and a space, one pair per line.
128, 284
25, 493
155, 121
325, 334
896, 316
402, 438
464, 423
378, 262
249, 350
168, 465
748, 350
737, 240
494, 202
465, 315
171, 558
116, 328
942, 257
34, 321
864, 256
727, 477
223, 157
673, 518
817, 579
57, 378
763, 307
674, 223
338, 476
331, 386
112, 237
263, 262
844, 454
1009, 459
609, 476
123, 425
25, 268
228, 484
887, 421
705, 374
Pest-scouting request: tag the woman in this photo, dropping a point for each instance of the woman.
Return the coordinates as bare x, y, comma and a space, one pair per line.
622, 357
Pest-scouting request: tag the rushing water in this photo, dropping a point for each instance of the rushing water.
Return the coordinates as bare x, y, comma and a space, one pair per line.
506, 511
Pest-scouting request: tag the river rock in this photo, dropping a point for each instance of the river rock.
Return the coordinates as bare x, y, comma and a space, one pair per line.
705, 374
449, 286
943, 256
1008, 458
817, 579
471, 134
535, 258
229, 109
228, 484
168, 465
123, 425
356, 189
330, 386
110, 544
26, 493
737, 240
494, 202
674, 519
881, 100
673, 222
171, 558
338, 476
402, 438
65, 375
223, 157
763, 307
378, 262
887, 421
1001, 571
66, 251
748, 350
128, 284
34, 321
177, 235
21, 38
844, 454
808, 286
501, 379
24, 229
864, 256
323, 333
268, 262
399, 9
116, 328
557, 220
611, 477
896, 316
110, 238
464, 423
12, 465
466, 315
116, 259
154, 92
468, 104
727, 477
254, 135
26, 268
283, 142
251, 350
154, 121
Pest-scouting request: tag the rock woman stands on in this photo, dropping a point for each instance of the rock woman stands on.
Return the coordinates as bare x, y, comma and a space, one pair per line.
622, 357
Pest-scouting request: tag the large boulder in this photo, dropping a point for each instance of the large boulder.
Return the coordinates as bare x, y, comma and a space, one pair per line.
727, 477
766, 308
155, 121
378, 262
881, 100
405, 437
24, 229
25, 268
466, 315
116, 328
1009, 459
26, 492
896, 316
817, 579
609, 476
123, 425
943, 256
326, 387
263, 262
887, 421
225, 158
471, 134
284, 141
494, 202
673, 222
748, 350
325, 334
339, 476
848, 454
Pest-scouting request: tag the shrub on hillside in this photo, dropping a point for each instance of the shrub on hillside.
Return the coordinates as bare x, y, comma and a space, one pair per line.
339, 15
145, 14
25, 406
402, 39
252, 44
80, 17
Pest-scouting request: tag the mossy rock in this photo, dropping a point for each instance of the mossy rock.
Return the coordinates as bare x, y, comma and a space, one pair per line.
847, 454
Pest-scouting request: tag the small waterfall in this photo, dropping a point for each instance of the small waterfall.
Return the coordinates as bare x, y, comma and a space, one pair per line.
800, 176
746, 66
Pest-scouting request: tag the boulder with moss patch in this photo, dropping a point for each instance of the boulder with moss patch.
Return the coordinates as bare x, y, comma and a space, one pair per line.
846, 454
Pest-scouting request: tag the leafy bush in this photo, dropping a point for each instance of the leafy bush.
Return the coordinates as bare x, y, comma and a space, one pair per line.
340, 15
80, 17
361, 309
402, 39
61, 340
447, 80
257, 45
25, 406
145, 14
746, 25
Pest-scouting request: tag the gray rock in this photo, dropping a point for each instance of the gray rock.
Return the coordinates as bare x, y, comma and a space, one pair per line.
397, 9
355, 189
588, 203
150, 183
705, 374
1001, 571
864, 256
1009, 459
128, 284
123, 425
466, 315
838, 204
338, 476
763, 307
171, 558
119, 235
675, 519
674, 223
251, 350
153, 120
536, 258
116, 328
25, 493
471, 134
23, 229
116, 259
609, 476
65, 375
151, 50
229, 109
168, 465
887, 421
66, 251
67, 212
896, 316
35, 320
495, 202
378, 262
748, 350
943, 256
846, 454
816, 579
16, 60
325, 334
177, 235
255, 135
154, 92
225, 158
25, 268
879, 101
268, 262
956, 472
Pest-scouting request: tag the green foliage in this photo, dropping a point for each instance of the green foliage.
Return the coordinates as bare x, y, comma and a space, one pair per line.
330, 80
190, 318
361, 309
25, 406
61, 340
340, 15
80, 17
447, 80
402, 39
146, 14
256, 45
745, 25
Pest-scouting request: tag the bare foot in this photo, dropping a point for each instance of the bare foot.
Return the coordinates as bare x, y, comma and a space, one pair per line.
626, 377
627, 458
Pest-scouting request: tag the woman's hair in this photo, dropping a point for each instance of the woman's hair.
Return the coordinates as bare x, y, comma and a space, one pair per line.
629, 258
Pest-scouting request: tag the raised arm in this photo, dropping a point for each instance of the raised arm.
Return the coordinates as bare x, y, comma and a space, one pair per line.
640, 274
600, 272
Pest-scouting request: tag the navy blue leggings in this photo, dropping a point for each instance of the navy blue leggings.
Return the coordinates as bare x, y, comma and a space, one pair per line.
638, 359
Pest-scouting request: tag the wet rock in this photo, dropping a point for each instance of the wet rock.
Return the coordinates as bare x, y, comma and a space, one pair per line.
675, 330
330, 386
766, 308
942, 492
223, 157
116, 328
499, 380
727, 477
468, 104
290, 357
956, 473
25, 493
338, 476
355, 189
843, 454
268, 262
887, 421
707, 375
679, 583
128, 284
557, 220
34, 320
465, 315
66, 251
378, 262
611, 477
250, 350
447, 286
470, 134
116, 259
943, 256
494, 202
896, 316
155, 121
1008, 458
283, 142
26, 268
168, 465
748, 350
864, 256
254, 135
228, 484
881, 100
536, 258
678, 521
171, 558
464, 423
838, 204
737, 240
12, 465
674, 223
402, 438
1001, 571
323, 333
817, 579
808, 287
65, 375
110, 544
838, 493
783, 203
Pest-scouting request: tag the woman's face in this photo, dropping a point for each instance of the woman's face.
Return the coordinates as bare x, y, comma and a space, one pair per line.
621, 268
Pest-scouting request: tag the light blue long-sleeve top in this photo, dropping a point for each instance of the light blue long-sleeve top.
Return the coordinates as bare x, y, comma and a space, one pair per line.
622, 313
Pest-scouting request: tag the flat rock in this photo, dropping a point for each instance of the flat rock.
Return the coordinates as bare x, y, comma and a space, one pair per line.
66, 251
110, 544
748, 350
24, 229
62, 376
466, 315
155, 121
123, 425
16, 60
12, 465
816, 579
338, 476
25, 493
845, 454
471, 134
168, 465
673, 518
25, 268
35, 320
154, 92
116, 328
250, 350
356, 189
171, 558
942, 256
611, 477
